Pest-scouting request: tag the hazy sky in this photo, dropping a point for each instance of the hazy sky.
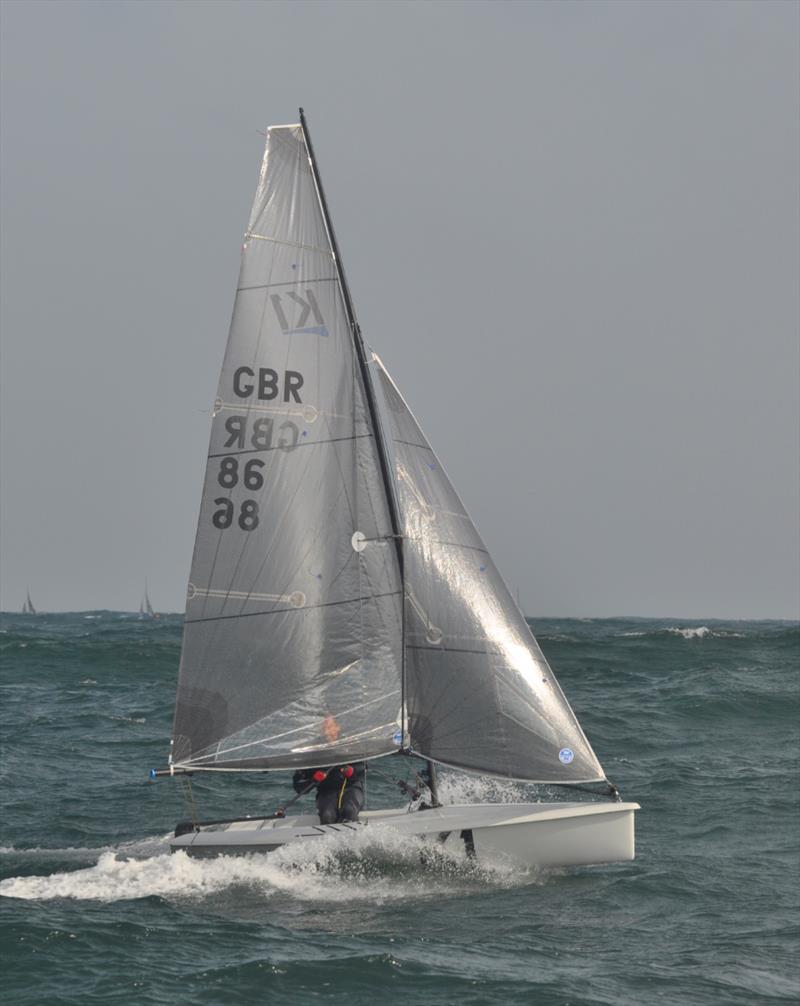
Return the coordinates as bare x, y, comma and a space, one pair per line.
571, 231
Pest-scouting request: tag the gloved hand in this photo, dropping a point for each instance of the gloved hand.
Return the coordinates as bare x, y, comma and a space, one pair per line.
319, 775
347, 771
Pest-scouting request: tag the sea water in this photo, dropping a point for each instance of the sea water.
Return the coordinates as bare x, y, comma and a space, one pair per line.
696, 721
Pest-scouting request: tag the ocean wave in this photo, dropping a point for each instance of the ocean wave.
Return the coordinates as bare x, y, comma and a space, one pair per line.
700, 632
686, 632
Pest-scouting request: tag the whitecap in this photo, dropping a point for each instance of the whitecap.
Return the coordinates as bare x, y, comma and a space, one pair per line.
691, 633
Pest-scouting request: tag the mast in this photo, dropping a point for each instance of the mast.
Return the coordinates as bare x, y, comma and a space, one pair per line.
369, 391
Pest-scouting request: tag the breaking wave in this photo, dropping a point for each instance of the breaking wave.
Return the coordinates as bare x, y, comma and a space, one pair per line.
686, 632
691, 633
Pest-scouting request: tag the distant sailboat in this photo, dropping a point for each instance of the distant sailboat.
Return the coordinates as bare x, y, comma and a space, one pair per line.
145, 607
27, 607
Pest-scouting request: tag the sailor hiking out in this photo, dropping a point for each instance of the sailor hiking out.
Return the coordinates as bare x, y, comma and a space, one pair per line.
340, 790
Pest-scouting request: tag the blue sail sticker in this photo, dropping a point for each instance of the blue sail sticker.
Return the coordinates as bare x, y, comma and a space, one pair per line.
397, 737
566, 755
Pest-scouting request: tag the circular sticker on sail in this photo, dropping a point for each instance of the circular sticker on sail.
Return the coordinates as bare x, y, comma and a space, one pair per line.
566, 755
397, 737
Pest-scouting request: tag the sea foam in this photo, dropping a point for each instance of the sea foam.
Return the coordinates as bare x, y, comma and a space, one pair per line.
370, 867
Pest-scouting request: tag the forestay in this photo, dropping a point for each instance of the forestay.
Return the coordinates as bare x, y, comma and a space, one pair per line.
292, 652
479, 692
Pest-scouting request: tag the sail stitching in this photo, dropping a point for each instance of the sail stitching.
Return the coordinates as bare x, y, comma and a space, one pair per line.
449, 544
247, 595
410, 443
284, 611
291, 282
309, 412
302, 443
292, 244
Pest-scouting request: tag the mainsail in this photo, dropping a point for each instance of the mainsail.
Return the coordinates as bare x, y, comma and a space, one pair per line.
479, 692
27, 607
292, 652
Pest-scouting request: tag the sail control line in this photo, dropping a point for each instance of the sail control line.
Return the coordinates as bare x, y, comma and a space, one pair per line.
281, 811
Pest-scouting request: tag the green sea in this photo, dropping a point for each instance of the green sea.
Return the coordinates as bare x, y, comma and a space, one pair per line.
696, 721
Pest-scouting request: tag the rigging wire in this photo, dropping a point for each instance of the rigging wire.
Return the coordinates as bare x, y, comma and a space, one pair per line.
188, 793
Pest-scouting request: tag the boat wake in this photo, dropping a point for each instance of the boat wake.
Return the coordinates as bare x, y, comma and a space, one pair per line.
371, 868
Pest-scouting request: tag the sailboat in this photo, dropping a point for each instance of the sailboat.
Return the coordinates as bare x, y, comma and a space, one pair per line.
342, 606
27, 607
145, 607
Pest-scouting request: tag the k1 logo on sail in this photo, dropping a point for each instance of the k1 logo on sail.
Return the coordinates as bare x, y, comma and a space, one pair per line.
307, 305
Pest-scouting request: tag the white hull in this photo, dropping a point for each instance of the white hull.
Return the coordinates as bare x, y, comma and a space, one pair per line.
533, 834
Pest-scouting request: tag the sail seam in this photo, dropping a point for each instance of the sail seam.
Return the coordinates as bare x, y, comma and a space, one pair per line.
305, 443
290, 244
453, 544
309, 413
283, 611
293, 282
235, 767
456, 649
410, 443
239, 595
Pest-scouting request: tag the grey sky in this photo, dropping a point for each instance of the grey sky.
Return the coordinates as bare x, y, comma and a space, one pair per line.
571, 231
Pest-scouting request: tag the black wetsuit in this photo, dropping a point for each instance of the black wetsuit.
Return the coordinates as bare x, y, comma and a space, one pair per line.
339, 797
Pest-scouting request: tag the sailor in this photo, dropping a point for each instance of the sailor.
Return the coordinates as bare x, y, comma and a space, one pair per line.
340, 790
